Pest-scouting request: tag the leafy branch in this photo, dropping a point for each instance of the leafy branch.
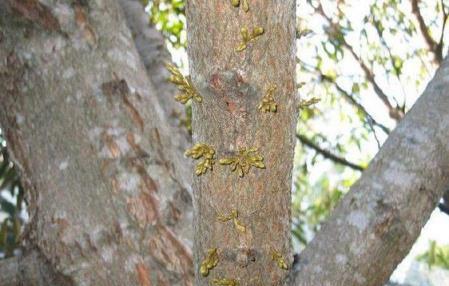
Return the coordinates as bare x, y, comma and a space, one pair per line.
184, 84
204, 151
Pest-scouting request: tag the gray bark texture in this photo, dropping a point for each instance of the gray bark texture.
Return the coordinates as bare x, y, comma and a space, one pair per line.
233, 84
91, 124
85, 125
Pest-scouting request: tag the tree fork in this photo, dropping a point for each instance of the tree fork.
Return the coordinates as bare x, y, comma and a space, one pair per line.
237, 56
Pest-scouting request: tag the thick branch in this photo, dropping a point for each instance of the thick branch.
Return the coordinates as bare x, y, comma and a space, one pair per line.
151, 47
92, 143
376, 224
154, 55
328, 154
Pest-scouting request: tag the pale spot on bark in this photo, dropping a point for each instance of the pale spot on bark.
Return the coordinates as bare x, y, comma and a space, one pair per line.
107, 254
360, 279
397, 176
63, 165
127, 58
116, 131
358, 219
418, 136
341, 259
63, 13
78, 95
131, 262
20, 118
27, 56
94, 133
68, 73
123, 145
129, 183
317, 269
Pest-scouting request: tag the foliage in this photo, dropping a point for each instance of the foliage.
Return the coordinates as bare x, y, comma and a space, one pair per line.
243, 160
184, 84
436, 256
11, 203
205, 152
168, 15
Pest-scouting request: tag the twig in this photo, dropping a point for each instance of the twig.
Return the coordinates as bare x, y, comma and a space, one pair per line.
328, 154
354, 102
440, 45
395, 112
433, 46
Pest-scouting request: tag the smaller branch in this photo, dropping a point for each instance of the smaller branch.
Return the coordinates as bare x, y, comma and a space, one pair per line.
390, 54
395, 112
370, 120
431, 43
439, 49
328, 154
356, 104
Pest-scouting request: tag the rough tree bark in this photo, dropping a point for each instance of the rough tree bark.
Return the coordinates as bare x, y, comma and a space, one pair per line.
233, 84
87, 130
87, 118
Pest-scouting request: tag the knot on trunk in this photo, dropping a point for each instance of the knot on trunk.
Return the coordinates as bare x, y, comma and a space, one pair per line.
234, 92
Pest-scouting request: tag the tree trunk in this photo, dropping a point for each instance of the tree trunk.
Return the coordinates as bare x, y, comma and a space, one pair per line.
233, 84
88, 133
